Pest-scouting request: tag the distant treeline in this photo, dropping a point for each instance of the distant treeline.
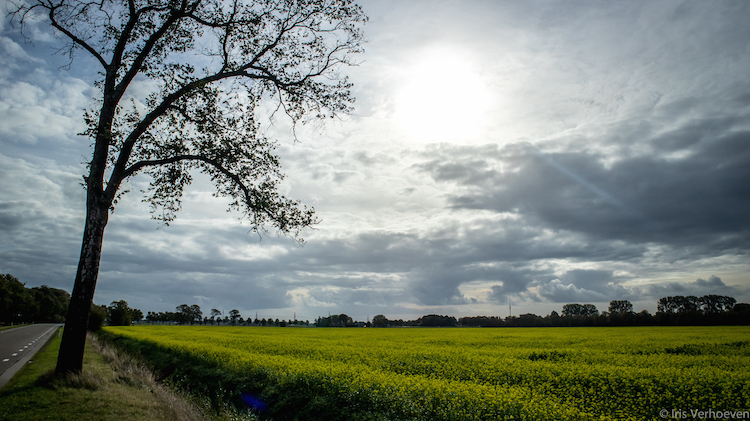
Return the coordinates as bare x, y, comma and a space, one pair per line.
19, 304
677, 310
671, 311
192, 314
44, 304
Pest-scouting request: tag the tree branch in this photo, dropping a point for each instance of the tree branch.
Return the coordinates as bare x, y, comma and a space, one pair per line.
124, 37
73, 37
249, 195
141, 58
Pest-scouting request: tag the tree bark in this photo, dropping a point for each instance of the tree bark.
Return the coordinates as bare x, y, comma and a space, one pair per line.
70, 358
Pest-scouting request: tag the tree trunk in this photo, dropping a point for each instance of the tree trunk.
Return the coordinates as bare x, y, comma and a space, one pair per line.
70, 358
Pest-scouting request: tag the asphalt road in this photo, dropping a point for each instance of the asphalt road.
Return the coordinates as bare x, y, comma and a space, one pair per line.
17, 346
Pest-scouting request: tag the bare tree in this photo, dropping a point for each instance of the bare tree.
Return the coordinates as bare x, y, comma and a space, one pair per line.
251, 52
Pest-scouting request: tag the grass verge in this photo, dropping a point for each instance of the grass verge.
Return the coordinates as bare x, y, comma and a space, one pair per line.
11, 327
111, 387
274, 398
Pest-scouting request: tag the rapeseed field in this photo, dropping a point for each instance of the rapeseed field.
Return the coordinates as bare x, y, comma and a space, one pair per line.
624, 373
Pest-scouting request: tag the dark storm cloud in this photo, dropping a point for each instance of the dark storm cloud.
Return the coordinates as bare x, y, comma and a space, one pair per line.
382, 298
439, 285
38, 242
700, 199
558, 292
713, 286
456, 256
585, 286
164, 290
370, 251
437, 263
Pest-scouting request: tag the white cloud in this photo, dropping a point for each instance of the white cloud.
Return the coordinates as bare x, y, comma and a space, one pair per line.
559, 292
11, 49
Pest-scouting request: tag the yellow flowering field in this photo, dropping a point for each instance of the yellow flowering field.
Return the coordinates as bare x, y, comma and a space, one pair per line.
476, 373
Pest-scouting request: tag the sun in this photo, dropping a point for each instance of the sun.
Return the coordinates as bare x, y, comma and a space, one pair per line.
441, 98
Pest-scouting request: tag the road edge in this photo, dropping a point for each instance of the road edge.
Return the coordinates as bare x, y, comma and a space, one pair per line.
38, 346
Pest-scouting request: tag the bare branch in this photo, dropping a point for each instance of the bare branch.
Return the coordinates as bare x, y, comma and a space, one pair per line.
52, 9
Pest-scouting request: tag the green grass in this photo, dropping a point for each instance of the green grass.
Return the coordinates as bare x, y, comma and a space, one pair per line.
108, 389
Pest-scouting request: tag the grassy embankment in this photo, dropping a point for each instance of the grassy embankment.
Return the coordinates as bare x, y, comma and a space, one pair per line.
110, 388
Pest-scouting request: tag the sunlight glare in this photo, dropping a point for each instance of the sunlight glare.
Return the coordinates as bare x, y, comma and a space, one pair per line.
442, 99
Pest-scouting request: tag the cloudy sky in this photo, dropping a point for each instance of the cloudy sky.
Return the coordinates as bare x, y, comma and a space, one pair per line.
539, 152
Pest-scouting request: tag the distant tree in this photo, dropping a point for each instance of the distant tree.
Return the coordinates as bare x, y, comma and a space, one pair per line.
344, 320
16, 301
97, 316
620, 314
119, 313
50, 304
589, 310
740, 314
197, 314
379, 321
644, 318
530, 319
691, 310
716, 303
37, 304
584, 310
137, 315
620, 306
214, 313
667, 305
571, 310
234, 316
690, 303
436, 320
483, 321
184, 313
554, 319
678, 304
